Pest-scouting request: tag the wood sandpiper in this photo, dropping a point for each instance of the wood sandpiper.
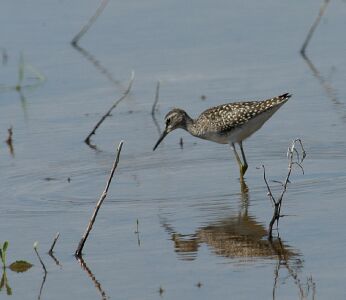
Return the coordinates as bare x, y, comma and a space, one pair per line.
228, 123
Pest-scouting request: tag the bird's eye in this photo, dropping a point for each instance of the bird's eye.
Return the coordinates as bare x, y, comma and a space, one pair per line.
168, 121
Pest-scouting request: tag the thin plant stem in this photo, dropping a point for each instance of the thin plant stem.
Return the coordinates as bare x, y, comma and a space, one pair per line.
108, 113
314, 26
97, 63
39, 258
294, 159
51, 250
153, 109
91, 21
44, 269
93, 278
79, 250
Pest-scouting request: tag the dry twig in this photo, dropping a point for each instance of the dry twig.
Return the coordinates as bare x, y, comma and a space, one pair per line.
79, 250
93, 278
53, 244
57, 262
9, 140
330, 90
98, 65
39, 257
108, 113
153, 109
293, 159
44, 269
91, 21
314, 26
293, 269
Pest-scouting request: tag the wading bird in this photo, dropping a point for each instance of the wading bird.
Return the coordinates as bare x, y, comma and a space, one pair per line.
228, 123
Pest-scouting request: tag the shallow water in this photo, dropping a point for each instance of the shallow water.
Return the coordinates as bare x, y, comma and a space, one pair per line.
201, 234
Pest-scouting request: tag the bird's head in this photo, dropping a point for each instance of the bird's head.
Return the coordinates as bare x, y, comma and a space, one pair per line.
176, 118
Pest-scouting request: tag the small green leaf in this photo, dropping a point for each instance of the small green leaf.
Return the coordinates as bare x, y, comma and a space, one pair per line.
1, 254
5, 246
20, 266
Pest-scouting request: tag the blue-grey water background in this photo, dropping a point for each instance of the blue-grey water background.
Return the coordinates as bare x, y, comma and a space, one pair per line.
188, 202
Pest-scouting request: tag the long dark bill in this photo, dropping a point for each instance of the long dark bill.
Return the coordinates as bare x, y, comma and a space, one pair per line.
164, 133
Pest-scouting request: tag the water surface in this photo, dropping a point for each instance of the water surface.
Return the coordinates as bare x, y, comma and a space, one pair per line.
201, 234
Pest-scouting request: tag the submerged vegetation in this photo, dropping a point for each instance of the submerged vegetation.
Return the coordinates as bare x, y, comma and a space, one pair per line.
19, 266
28, 77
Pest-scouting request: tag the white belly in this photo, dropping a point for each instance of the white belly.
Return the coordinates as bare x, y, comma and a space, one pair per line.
242, 132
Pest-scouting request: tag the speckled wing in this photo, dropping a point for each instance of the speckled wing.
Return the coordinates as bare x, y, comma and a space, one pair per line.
226, 117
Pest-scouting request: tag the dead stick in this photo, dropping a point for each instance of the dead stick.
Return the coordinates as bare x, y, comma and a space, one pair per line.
270, 194
108, 113
9, 140
39, 257
292, 151
314, 26
57, 262
153, 109
103, 70
91, 21
93, 278
44, 269
54, 242
156, 98
78, 252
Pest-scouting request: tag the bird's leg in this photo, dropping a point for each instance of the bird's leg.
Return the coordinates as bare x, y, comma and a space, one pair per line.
240, 164
244, 166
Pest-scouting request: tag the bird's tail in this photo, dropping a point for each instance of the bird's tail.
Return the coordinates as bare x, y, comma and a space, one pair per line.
283, 97
276, 101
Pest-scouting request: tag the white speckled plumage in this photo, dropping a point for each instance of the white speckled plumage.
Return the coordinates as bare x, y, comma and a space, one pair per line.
227, 123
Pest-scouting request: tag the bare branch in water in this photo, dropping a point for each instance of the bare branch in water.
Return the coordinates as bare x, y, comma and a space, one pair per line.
43, 267
93, 278
108, 113
51, 250
98, 65
57, 262
153, 109
292, 270
331, 92
9, 140
270, 194
91, 21
79, 250
294, 158
39, 257
314, 26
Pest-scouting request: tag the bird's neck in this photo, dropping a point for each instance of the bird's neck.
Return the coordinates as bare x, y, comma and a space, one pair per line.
190, 125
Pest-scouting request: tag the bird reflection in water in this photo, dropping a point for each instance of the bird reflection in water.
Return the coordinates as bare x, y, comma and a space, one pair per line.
237, 236
244, 239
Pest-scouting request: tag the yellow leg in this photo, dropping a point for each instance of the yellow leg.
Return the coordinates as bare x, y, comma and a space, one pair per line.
242, 167
245, 166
